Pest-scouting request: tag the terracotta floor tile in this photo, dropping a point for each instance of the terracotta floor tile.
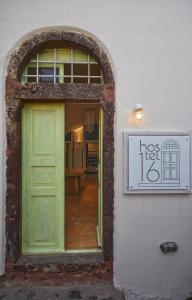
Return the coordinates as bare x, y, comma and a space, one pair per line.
81, 215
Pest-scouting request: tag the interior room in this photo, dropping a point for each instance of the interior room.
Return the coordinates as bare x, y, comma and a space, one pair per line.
81, 175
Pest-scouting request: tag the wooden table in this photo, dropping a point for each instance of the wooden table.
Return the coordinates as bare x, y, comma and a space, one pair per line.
72, 180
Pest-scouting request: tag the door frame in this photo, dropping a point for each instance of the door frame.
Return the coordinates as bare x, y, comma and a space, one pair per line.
17, 94
100, 182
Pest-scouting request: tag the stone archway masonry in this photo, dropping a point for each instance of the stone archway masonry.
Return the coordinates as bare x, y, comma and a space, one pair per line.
17, 94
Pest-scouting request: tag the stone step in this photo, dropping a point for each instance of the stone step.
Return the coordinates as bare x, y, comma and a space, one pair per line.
25, 291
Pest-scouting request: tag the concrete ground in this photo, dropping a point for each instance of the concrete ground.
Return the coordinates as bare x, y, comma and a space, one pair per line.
32, 291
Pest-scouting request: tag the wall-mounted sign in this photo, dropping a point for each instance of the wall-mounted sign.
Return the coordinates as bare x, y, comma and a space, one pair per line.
157, 162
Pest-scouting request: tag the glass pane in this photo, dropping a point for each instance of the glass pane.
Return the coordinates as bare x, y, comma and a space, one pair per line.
46, 71
67, 69
45, 74
80, 69
31, 79
67, 79
59, 69
79, 56
46, 79
95, 70
92, 59
63, 55
31, 71
95, 80
46, 66
80, 80
46, 55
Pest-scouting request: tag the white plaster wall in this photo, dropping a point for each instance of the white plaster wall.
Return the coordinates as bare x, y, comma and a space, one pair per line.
150, 42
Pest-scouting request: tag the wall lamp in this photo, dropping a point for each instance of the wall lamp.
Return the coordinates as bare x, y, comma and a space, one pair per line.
138, 112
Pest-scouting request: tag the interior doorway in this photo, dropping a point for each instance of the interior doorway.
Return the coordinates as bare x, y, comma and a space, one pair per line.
61, 178
82, 164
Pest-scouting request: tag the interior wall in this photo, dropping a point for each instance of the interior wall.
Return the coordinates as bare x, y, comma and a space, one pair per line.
151, 45
74, 121
75, 115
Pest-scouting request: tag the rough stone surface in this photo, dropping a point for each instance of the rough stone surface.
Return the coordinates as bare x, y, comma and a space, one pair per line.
23, 291
17, 94
56, 37
56, 91
60, 273
65, 259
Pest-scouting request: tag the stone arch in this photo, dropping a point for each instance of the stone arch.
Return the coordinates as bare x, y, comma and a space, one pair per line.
17, 94
37, 40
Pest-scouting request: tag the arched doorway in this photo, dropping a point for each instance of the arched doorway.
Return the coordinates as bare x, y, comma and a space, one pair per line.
18, 94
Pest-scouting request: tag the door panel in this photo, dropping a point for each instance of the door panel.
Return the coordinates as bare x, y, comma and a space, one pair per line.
43, 178
100, 182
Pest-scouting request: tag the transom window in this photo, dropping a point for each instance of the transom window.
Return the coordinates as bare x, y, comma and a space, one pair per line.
63, 65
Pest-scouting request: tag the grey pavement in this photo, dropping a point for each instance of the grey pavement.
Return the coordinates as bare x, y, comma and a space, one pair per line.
33, 291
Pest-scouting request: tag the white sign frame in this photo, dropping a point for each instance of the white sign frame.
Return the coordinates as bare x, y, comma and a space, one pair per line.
128, 189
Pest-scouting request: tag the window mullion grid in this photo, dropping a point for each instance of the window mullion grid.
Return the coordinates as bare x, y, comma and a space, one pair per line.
72, 76
71, 65
85, 76
37, 71
54, 62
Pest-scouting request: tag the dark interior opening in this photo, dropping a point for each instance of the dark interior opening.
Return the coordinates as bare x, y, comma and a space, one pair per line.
81, 175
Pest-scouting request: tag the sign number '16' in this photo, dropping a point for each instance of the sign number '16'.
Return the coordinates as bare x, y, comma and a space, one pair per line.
152, 174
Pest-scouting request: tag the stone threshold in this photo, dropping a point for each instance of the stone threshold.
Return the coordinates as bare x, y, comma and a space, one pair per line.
64, 259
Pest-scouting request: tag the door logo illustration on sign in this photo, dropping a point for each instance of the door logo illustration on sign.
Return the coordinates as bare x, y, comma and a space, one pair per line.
157, 162
170, 163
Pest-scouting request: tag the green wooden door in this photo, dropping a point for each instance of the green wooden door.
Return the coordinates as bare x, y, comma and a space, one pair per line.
100, 182
43, 178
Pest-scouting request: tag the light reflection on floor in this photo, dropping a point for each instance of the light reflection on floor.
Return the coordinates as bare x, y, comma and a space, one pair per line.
81, 216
